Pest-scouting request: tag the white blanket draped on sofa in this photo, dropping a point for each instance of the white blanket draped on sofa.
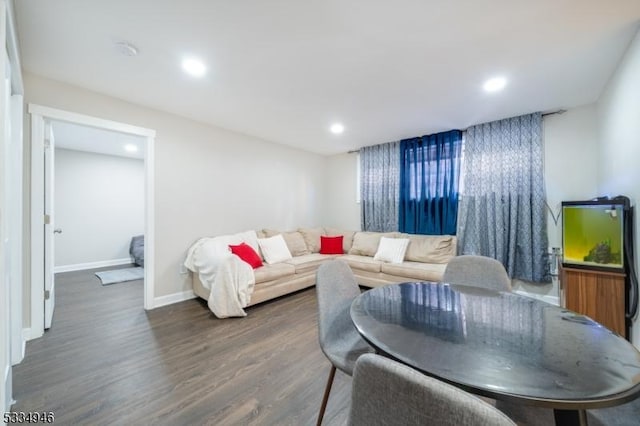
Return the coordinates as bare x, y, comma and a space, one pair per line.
229, 279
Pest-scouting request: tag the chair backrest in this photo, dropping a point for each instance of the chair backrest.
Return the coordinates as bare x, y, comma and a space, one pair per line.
385, 392
336, 287
477, 271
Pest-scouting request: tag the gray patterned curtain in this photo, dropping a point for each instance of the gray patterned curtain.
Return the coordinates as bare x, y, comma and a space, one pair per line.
380, 187
502, 210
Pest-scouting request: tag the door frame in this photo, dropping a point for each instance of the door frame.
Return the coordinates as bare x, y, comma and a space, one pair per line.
39, 114
49, 226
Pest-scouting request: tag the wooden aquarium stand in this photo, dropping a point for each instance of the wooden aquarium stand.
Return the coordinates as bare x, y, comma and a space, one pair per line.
597, 294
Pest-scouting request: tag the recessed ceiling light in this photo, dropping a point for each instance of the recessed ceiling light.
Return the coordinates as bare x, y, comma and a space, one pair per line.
194, 67
495, 84
336, 128
130, 148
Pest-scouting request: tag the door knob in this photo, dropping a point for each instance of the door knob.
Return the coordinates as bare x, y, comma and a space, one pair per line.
57, 231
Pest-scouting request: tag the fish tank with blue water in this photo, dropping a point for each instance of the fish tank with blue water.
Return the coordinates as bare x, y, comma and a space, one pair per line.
593, 234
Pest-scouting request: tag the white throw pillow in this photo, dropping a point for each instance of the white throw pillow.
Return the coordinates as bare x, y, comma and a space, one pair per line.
274, 249
391, 249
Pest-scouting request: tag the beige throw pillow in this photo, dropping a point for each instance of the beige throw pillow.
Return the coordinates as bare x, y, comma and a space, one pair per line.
431, 248
312, 238
270, 232
295, 243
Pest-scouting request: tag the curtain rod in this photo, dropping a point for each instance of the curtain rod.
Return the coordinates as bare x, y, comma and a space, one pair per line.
544, 114
559, 111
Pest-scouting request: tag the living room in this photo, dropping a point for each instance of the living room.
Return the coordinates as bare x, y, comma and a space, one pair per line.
210, 180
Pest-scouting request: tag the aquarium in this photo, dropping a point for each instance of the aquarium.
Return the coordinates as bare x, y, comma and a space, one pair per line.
593, 234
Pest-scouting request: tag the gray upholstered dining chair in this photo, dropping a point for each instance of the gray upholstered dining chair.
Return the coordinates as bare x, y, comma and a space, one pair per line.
477, 271
486, 272
341, 343
385, 392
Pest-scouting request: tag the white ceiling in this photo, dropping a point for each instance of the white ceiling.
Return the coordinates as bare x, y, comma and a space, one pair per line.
85, 138
284, 70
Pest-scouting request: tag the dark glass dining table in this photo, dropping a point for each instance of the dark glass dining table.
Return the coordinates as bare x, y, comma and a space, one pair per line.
501, 345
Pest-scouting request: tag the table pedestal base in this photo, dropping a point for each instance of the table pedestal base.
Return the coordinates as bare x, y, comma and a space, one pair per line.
570, 417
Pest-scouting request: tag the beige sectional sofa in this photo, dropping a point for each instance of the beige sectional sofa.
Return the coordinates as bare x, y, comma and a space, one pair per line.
425, 260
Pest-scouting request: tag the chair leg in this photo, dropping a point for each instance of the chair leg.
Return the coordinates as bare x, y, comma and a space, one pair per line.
325, 398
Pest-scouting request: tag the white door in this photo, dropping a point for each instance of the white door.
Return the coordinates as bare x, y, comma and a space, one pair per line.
49, 277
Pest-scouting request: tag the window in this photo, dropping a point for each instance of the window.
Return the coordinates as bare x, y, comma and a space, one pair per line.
429, 183
429, 176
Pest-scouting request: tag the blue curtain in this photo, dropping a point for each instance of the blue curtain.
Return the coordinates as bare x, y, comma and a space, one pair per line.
429, 179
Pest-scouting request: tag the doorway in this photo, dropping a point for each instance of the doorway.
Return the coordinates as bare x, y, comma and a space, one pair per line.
98, 196
44, 121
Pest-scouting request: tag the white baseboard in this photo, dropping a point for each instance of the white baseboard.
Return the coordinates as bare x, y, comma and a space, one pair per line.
170, 299
7, 383
26, 336
554, 300
92, 265
23, 350
19, 357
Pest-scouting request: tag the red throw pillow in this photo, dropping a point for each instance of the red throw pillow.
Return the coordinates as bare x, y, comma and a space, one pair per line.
248, 254
331, 245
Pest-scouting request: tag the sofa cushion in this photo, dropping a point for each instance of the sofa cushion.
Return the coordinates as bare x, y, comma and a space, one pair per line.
274, 249
331, 245
366, 243
347, 240
391, 250
416, 270
365, 263
268, 232
431, 248
273, 272
308, 262
296, 243
312, 238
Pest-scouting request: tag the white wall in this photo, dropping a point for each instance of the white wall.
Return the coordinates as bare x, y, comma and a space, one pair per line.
341, 209
571, 162
619, 140
208, 181
99, 205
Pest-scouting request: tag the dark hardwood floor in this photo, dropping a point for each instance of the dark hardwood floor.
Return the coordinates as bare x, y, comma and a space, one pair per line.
108, 361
